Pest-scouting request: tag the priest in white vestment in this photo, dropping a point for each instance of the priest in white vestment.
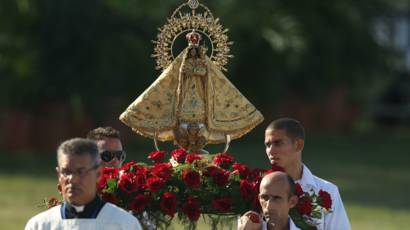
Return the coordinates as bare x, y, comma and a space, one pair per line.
78, 171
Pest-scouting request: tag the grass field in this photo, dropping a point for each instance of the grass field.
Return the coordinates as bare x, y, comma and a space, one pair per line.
372, 173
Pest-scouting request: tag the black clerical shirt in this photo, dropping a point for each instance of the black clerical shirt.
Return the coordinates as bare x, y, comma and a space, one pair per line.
91, 209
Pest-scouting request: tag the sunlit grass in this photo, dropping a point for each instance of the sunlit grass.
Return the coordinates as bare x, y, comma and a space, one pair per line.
372, 175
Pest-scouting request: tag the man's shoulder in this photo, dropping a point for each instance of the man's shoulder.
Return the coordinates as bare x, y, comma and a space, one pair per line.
325, 185
321, 183
115, 213
44, 218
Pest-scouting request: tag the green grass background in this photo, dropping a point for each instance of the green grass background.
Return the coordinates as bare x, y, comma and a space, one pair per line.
372, 172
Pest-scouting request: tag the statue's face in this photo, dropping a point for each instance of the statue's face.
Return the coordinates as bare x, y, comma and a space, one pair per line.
192, 52
193, 130
183, 143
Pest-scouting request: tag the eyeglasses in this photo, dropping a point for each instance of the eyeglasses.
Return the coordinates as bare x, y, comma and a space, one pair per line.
79, 172
107, 156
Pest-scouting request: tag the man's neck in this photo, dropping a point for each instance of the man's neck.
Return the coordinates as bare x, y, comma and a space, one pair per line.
296, 171
279, 227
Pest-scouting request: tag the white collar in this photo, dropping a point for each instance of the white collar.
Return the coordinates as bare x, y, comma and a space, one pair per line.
78, 208
307, 177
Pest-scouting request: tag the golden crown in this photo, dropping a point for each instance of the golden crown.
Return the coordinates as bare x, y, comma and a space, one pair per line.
196, 17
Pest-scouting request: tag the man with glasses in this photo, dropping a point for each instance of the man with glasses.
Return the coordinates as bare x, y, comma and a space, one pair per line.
109, 146
78, 172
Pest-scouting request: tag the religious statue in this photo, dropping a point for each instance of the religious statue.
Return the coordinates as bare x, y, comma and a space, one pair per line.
192, 102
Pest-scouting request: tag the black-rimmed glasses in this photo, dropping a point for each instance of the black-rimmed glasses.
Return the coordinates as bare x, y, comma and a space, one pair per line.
82, 172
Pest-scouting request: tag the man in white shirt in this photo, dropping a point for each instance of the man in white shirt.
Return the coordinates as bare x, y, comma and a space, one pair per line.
78, 171
276, 197
284, 141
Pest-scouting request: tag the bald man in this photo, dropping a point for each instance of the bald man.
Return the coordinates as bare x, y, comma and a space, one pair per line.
276, 197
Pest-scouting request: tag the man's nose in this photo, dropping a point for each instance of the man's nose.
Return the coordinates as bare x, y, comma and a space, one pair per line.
270, 150
72, 178
269, 204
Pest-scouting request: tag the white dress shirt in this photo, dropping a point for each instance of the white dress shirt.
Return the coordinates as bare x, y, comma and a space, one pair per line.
110, 217
337, 219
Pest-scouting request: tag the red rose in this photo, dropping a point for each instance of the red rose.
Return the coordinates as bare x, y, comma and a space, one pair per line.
168, 204
191, 178
102, 183
277, 168
109, 197
155, 183
253, 217
243, 170
210, 170
192, 157
246, 189
163, 170
255, 204
222, 205
223, 160
128, 183
179, 155
107, 174
157, 156
110, 172
326, 199
52, 202
191, 208
142, 171
139, 203
305, 206
256, 174
129, 166
298, 190
219, 176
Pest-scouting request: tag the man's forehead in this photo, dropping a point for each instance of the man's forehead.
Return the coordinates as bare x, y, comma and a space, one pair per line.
276, 187
109, 142
275, 134
73, 160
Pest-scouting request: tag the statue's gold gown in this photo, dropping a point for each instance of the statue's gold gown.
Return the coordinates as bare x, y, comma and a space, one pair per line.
192, 90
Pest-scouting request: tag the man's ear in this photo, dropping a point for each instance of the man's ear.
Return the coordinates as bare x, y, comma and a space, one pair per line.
300, 144
293, 200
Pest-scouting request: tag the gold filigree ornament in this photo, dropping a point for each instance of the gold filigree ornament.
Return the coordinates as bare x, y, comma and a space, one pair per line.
190, 16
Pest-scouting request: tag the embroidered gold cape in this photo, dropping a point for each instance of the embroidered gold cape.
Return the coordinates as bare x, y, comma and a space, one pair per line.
157, 109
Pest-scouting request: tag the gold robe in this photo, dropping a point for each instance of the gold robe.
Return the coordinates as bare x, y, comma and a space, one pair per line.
205, 96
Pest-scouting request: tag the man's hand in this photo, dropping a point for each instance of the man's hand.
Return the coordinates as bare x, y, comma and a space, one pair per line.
250, 221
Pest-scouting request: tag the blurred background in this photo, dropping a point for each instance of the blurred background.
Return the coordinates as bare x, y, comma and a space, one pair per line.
341, 67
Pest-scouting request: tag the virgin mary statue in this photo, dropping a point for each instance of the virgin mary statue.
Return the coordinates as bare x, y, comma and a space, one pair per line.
192, 103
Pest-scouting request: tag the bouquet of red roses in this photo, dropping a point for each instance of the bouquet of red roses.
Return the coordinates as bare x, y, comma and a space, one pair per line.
189, 185
310, 208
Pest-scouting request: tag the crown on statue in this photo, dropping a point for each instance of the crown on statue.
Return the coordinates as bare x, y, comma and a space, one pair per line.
193, 38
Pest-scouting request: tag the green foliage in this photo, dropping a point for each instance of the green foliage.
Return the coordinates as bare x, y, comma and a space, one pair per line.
94, 51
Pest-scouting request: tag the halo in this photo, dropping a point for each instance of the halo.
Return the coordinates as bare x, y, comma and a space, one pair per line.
182, 21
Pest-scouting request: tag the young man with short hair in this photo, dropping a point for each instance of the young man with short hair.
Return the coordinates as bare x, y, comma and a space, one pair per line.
284, 141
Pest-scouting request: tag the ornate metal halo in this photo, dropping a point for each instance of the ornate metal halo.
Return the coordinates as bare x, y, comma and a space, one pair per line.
180, 23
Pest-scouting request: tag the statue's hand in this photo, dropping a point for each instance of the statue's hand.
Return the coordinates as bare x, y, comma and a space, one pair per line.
250, 221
